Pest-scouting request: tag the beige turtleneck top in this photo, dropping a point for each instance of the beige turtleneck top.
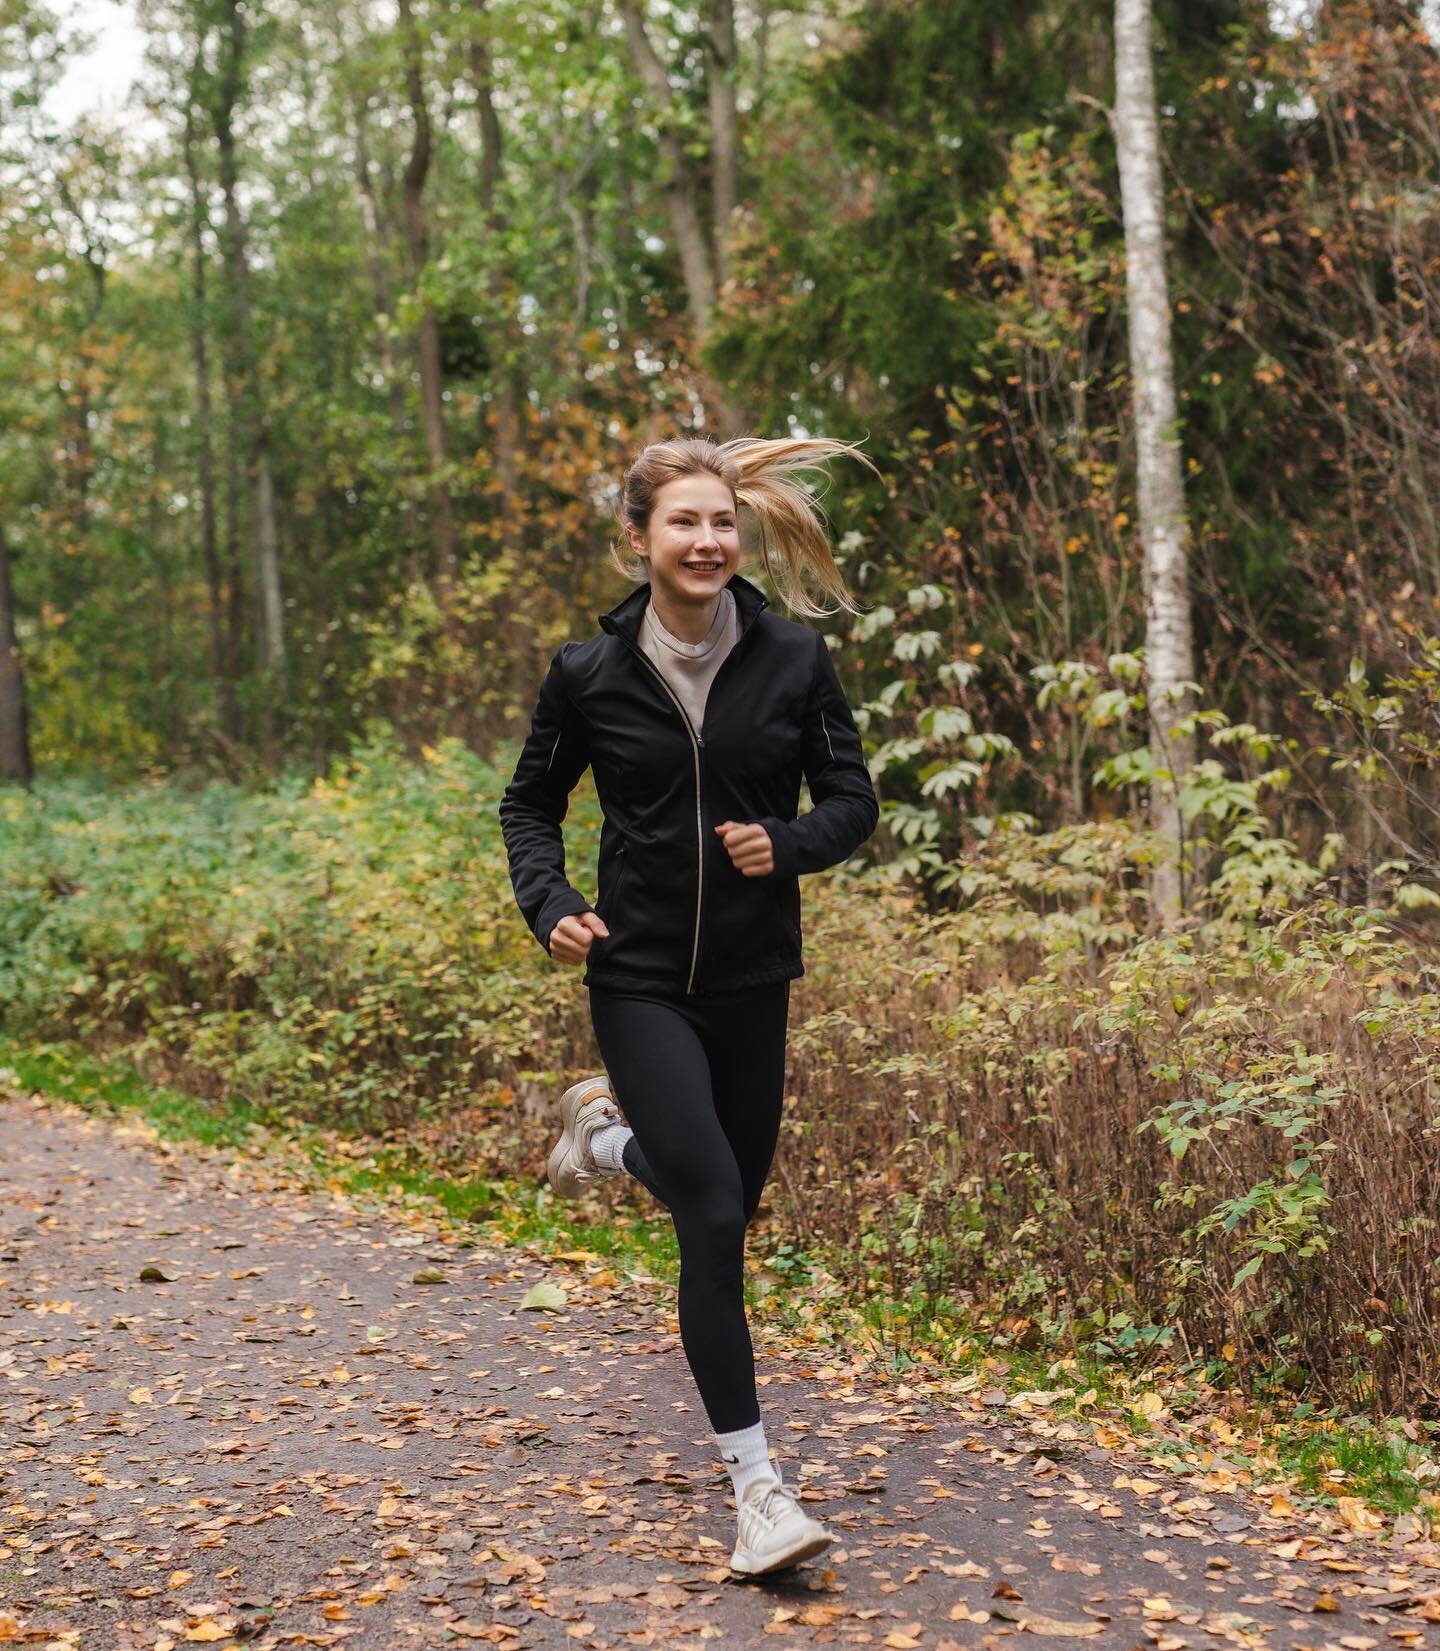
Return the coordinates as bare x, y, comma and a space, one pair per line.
690, 667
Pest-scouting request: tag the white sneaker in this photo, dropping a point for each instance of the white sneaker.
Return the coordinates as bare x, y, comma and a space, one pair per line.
775, 1531
584, 1107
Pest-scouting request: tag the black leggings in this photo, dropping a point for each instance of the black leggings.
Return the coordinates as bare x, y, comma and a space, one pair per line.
701, 1081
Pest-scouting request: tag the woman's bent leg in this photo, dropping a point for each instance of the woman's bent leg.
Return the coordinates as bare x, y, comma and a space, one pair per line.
660, 1077
745, 1040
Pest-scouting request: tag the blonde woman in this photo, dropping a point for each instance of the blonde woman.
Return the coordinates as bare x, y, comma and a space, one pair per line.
698, 710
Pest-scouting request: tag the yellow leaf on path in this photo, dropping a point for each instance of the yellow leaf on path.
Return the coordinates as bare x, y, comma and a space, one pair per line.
1059, 1627
1150, 1404
542, 1295
207, 1632
1357, 1515
140, 1395
1076, 1567
9, 1627
178, 1579
1282, 1507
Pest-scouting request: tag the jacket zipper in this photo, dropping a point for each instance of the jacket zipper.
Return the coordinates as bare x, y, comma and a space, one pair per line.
696, 742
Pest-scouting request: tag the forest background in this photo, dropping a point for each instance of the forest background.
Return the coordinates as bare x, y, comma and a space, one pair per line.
319, 371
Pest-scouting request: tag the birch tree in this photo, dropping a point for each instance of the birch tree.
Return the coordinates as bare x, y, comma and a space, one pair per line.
14, 730
243, 387
1169, 637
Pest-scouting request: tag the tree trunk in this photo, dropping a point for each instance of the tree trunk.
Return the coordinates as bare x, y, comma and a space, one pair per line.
681, 198
382, 301
204, 431
245, 396
432, 388
14, 721
1169, 638
507, 396
724, 140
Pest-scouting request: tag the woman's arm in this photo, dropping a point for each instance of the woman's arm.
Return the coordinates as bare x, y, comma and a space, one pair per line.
846, 809
554, 756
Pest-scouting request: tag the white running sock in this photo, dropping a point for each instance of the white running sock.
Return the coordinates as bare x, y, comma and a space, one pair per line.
608, 1144
747, 1457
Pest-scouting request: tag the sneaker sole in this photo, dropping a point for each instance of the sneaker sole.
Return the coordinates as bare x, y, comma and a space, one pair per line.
565, 1181
805, 1548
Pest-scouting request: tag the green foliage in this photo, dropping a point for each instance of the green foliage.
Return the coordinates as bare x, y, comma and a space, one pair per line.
1025, 1103
346, 949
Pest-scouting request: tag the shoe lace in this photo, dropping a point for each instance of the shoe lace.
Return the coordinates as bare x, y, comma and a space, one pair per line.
773, 1501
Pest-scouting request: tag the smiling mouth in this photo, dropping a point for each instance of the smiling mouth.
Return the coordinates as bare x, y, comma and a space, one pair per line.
703, 567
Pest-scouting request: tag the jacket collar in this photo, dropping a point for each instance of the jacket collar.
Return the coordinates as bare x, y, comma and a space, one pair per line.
623, 620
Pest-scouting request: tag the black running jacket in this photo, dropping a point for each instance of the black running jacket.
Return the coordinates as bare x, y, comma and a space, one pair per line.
682, 918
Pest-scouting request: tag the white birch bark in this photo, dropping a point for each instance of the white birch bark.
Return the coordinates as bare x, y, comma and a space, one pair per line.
1169, 638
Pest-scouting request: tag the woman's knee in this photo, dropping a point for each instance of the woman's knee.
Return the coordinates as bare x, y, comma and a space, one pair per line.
713, 1224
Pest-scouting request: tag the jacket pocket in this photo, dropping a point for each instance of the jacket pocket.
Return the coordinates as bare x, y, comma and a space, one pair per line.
610, 905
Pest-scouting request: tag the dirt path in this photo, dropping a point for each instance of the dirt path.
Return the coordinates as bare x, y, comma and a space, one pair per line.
278, 1437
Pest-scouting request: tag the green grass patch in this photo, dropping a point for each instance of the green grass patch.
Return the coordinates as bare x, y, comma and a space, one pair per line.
1351, 1456
71, 1073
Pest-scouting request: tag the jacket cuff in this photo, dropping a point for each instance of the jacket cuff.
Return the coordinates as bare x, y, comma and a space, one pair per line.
568, 903
781, 847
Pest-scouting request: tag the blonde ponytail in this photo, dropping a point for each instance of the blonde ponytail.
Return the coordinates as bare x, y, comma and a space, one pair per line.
794, 544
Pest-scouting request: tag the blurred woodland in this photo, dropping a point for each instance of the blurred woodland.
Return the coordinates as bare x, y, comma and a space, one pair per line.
318, 380
318, 375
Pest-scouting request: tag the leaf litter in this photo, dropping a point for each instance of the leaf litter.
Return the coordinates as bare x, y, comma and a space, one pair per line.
333, 1446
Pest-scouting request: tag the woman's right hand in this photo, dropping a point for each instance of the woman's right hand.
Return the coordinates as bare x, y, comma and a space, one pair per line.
571, 937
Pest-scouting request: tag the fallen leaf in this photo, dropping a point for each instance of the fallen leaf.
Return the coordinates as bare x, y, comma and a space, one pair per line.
1076, 1567
544, 1296
1357, 1515
1059, 1627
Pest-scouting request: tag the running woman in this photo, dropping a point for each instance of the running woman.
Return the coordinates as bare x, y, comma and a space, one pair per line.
698, 711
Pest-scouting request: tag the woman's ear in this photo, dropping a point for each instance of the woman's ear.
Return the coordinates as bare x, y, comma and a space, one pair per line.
635, 538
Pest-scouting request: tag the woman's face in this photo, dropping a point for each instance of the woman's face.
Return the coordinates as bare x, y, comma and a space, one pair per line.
693, 541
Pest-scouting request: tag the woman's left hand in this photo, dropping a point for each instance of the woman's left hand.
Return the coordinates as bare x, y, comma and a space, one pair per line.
749, 848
